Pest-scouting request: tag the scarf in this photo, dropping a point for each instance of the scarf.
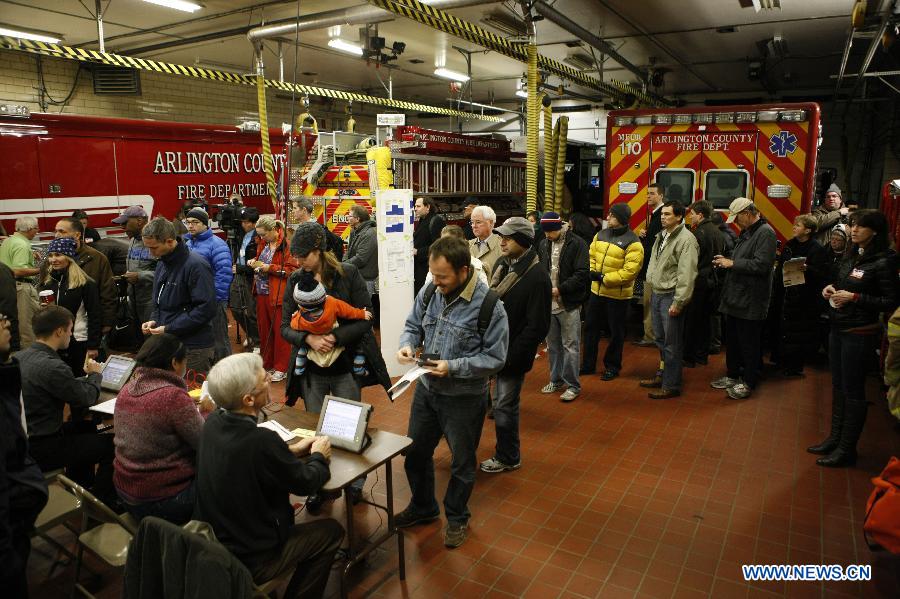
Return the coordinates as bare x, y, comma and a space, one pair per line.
505, 278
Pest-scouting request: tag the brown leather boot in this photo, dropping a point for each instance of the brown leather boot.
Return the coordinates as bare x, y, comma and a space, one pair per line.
652, 383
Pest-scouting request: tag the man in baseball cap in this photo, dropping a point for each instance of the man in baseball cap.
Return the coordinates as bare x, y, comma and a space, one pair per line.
140, 266
737, 206
131, 212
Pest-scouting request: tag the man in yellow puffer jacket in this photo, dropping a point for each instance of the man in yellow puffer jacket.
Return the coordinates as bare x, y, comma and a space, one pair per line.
616, 257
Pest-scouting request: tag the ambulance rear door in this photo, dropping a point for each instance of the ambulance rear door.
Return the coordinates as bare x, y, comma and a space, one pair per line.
729, 164
675, 161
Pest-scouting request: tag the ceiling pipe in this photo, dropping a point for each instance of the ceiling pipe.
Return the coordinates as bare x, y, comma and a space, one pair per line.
553, 15
887, 10
654, 39
355, 15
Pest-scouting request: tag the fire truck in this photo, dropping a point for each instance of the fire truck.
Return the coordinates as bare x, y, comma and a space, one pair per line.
448, 167
763, 152
53, 164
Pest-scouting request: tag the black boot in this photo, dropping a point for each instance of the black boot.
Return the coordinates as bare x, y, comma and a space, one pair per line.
845, 454
837, 417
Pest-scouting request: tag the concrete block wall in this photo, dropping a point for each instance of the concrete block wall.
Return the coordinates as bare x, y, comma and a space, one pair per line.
163, 97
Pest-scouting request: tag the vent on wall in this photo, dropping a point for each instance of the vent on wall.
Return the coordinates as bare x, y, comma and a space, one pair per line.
116, 81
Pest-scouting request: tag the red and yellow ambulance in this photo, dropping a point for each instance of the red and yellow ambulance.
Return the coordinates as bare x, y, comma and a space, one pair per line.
763, 152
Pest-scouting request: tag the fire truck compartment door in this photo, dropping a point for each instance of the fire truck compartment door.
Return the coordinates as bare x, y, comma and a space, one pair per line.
20, 182
77, 172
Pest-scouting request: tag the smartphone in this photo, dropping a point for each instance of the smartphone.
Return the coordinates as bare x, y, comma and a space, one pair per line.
427, 360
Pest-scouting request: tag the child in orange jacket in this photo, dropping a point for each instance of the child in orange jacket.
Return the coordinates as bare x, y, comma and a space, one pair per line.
318, 313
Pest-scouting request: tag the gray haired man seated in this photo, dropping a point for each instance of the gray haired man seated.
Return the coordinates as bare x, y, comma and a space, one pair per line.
245, 476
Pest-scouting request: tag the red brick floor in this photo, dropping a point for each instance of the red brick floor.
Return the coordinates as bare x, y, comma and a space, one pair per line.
623, 496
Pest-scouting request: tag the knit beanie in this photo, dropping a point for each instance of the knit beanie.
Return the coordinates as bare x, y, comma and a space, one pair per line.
551, 221
200, 214
833, 188
840, 229
622, 212
308, 237
309, 293
62, 245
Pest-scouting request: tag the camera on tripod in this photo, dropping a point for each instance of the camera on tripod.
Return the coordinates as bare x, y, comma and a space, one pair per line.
229, 216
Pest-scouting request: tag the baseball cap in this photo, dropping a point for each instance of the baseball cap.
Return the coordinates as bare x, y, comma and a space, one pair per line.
130, 212
737, 206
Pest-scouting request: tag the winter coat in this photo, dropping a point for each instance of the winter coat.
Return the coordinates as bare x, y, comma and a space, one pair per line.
673, 266
185, 297
574, 280
801, 304
729, 237
280, 268
83, 302
874, 277
362, 250
654, 226
527, 305
351, 288
217, 254
488, 253
426, 232
140, 294
710, 242
748, 283
96, 266
826, 220
618, 255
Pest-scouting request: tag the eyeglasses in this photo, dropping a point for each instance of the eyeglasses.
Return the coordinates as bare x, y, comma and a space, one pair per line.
192, 221
477, 222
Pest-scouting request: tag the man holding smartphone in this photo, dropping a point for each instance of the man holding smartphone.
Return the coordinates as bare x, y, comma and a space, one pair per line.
451, 400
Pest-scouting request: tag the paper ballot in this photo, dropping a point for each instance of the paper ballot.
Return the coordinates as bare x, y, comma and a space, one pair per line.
405, 381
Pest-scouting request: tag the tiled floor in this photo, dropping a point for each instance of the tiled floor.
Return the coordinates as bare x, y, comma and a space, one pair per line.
623, 496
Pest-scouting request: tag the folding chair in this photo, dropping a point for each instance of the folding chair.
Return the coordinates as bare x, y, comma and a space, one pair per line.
61, 507
108, 540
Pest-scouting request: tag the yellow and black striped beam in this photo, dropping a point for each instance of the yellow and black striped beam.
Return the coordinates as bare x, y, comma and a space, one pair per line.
447, 23
118, 60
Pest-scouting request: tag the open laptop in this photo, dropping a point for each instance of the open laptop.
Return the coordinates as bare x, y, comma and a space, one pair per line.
116, 372
345, 422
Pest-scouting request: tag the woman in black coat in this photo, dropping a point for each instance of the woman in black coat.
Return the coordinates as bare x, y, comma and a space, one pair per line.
74, 290
865, 287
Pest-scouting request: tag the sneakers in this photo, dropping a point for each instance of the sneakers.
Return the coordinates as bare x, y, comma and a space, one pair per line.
608, 375
495, 465
551, 388
644, 343
277, 376
725, 382
739, 391
408, 518
454, 535
569, 395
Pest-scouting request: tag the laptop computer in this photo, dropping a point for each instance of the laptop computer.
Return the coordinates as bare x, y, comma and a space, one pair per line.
345, 422
116, 372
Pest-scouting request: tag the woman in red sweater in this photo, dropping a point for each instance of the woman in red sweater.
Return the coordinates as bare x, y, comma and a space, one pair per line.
157, 427
273, 265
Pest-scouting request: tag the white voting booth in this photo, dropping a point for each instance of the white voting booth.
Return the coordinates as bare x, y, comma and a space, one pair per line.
395, 219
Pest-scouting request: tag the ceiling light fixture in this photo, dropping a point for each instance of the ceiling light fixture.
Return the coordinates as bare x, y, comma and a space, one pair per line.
182, 5
452, 75
759, 5
344, 46
579, 61
505, 24
48, 38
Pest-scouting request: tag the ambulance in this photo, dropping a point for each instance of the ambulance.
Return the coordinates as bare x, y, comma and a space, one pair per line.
763, 152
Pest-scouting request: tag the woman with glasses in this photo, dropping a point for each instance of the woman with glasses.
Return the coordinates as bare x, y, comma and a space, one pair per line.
158, 427
67, 285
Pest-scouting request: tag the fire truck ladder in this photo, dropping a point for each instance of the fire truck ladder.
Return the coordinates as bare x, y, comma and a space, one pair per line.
440, 176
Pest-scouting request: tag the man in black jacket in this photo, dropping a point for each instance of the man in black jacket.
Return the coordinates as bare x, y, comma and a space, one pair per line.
565, 256
8, 304
655, 199
245, 475
524, 287
699, 313
47, 386
428, 229
23, 491
302, 211
184, 293
745, 298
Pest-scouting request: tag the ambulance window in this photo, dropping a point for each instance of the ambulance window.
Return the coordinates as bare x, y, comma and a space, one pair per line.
723, 186
678, 183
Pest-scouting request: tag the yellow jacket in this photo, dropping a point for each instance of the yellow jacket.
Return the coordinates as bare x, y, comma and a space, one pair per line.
618, 255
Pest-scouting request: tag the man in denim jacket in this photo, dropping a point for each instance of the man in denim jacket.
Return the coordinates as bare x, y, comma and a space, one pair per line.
450, 400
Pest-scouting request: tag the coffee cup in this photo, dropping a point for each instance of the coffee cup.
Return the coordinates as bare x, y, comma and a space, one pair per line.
47, 297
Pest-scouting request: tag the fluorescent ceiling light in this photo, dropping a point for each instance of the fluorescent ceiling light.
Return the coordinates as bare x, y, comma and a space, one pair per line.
505, 24
759, 5
182, 5
521, 93
344, 46
448, 74
28, 35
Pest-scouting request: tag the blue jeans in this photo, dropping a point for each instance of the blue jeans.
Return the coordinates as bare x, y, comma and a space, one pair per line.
563, 341
459, 418
669, 331
506, 418
177, 509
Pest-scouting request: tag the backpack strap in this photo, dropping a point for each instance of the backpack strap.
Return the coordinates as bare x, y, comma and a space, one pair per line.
486, 312
427, 295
